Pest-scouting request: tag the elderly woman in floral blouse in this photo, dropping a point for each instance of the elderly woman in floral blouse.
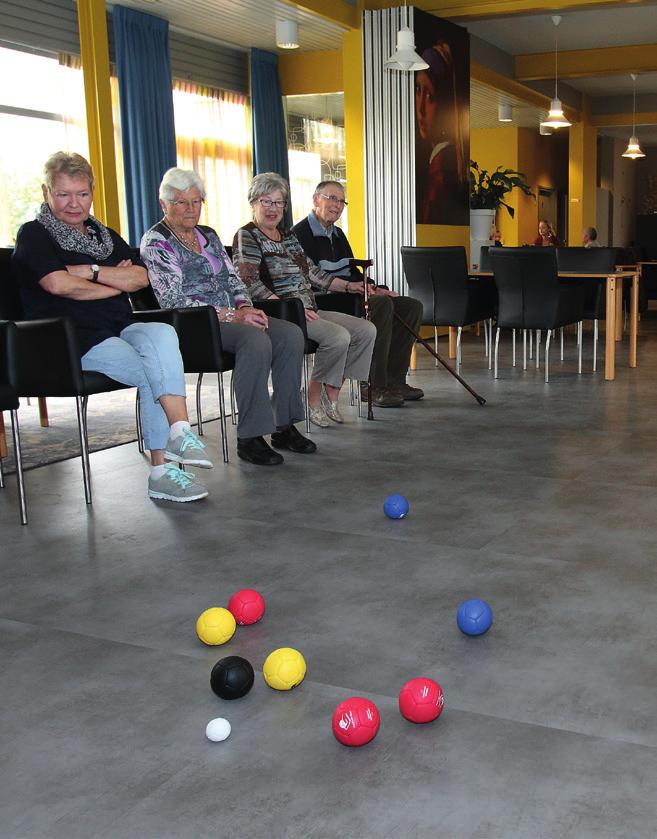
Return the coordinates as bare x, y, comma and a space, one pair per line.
188, 266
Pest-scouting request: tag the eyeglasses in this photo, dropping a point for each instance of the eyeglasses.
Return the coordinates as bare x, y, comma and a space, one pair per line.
335, 198
267, 203
182, 204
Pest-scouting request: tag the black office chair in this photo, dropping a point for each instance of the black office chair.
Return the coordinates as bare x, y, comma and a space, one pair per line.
591, 261
53, 339
438, 278
531, 296
9, 402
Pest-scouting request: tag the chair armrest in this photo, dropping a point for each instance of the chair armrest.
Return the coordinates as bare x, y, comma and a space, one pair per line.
341, 301
44, 358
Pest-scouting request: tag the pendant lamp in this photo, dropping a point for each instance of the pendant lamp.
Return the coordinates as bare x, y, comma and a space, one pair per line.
405, 58
556, 117
287, 34
633, 149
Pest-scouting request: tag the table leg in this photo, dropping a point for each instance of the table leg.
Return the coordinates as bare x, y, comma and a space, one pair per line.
452, 341
3, 437
634, 318
610, 331
619, 310
43, 412
413, 365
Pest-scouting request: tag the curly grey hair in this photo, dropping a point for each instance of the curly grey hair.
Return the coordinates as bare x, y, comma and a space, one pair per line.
180, 180
267, 182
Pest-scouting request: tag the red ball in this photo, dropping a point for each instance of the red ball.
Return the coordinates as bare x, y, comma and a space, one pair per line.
356, 721
421, 700
247, 606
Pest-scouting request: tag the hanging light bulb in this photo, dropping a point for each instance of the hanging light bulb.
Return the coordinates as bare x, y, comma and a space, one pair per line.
556, 117
405, 58
633, 149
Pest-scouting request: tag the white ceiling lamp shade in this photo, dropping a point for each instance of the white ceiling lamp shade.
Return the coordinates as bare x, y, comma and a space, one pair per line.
556, 117
504, 112
405, 58
287, 34
545, 130
633, 149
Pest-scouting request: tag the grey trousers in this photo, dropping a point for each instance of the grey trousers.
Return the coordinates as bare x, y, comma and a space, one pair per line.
279, 350
394, 343
345, 347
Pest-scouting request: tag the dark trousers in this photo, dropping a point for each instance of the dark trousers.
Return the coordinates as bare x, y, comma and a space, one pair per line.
394, 343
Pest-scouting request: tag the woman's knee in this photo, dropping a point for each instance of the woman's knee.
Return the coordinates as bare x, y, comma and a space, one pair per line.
287, 336
257, 345
339, 338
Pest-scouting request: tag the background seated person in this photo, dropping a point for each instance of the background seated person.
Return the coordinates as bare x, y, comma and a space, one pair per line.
272, 264
546, 238
188, 266
590, 237
68, 264
329, 248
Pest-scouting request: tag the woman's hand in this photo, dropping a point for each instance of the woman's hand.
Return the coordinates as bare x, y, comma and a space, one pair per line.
311, 315
251, 317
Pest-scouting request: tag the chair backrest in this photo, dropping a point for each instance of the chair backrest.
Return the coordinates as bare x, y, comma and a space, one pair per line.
441, 274
527, 284
587, 260
11, 307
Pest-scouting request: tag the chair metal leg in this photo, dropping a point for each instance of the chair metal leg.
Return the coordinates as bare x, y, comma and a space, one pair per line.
222, 417
81, 407
233, 407
305, 393
2, 475
352, 397
497, 347
486, 338
458, 347
524, 349
561, 330
199, 412
595, 345
531, 344
538, 348
548, 338
579, 341
140, 429
18, 458
513, 345
435, 343
490, 343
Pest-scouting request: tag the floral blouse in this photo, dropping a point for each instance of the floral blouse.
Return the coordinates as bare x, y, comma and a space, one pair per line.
181, 278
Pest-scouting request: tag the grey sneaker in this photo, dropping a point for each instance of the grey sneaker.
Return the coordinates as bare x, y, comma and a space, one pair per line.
176, 485
188, 450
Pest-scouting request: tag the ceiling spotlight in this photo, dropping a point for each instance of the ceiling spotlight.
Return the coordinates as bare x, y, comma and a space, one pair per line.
505, 112
633, 149
556, 117
287, 34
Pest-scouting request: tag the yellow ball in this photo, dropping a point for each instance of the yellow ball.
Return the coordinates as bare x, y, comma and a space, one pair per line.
284, 669
215, 626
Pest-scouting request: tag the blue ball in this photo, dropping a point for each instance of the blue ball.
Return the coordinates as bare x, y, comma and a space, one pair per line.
474, 617
395, 506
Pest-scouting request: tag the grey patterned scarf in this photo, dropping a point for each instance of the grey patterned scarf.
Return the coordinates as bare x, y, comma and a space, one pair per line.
70, 239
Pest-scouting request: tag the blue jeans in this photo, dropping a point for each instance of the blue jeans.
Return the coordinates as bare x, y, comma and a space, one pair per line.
145, 355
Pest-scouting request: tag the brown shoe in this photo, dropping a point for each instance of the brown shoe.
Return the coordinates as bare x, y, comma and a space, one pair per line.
383, 397
408, 393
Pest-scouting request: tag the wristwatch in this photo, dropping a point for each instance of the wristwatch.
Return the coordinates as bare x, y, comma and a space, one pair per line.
95, 271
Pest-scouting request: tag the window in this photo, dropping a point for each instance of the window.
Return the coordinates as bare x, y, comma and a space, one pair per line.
42, 110
213, 137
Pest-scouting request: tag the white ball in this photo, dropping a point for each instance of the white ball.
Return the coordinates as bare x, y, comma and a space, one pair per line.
217, 730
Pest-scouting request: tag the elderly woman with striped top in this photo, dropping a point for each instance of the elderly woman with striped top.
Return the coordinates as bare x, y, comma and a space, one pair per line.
188, 266
272, 264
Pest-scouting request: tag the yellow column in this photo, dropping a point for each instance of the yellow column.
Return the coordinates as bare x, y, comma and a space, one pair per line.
582, 162
493, 147
354, 133
95, 65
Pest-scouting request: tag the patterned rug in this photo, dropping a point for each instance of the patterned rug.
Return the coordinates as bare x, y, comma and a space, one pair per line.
110, 420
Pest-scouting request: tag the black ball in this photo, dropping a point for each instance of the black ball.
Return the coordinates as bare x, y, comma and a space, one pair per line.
232, 677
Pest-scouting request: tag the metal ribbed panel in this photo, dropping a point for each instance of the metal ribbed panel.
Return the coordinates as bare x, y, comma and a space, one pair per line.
33, 24
389, 147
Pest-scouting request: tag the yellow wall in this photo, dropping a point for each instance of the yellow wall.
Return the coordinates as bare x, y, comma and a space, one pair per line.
493, 147
310, 72
354, 131
582, 177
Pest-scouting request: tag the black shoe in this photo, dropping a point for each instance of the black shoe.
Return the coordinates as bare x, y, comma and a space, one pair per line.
256, 450
290, 438
408, 393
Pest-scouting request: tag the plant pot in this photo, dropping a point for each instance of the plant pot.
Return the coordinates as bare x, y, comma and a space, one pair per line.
481, 224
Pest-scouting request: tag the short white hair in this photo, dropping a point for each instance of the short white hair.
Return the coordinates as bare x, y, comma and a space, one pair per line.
180, 180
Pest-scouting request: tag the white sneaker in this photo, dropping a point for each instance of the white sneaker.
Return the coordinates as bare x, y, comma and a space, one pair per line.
174, 484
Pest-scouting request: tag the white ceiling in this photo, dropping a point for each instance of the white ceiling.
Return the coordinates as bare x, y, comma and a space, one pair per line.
615, 85
242, 23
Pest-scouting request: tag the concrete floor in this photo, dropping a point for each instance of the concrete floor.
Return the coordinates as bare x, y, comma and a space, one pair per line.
543, 502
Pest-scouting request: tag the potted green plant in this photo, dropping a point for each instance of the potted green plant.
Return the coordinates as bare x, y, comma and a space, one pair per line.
487, 189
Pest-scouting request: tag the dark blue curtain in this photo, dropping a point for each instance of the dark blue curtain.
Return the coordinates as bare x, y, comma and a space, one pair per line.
147, 128
269, 136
